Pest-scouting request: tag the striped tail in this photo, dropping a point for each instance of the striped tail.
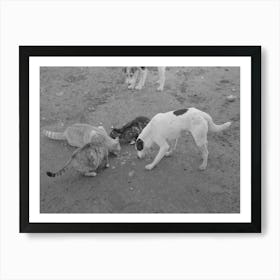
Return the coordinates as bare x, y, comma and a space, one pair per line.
61, 171
54, 135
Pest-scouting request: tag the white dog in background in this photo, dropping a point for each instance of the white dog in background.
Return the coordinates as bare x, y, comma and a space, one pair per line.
165, 128
136, 77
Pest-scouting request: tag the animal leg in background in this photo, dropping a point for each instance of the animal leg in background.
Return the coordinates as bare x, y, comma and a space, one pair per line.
161, 81
143, 72
133, 80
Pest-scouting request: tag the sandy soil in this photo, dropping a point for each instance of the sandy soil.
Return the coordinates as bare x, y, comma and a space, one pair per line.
99, 96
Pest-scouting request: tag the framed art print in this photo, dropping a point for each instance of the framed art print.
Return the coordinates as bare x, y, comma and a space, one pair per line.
140, 138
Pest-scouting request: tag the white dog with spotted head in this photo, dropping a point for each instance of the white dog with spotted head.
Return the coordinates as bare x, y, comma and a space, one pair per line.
165, 128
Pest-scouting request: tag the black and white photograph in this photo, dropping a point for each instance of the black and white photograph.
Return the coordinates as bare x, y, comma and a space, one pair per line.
121, 143
139, 140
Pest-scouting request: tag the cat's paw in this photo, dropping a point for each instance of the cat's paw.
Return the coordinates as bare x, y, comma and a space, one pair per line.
149, 167
91, 174
138, 87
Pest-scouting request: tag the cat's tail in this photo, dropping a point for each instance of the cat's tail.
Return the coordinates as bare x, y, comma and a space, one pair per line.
215, 127
61, 171
54, 135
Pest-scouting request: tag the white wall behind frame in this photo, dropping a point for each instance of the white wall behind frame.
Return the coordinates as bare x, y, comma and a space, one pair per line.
188, 256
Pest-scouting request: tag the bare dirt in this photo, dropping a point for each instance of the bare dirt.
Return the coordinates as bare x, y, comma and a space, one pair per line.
99, 96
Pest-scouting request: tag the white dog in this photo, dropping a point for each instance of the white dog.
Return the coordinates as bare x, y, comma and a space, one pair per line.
165, 128
139, 74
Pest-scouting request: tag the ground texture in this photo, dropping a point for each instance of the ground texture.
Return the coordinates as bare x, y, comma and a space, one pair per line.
99, 96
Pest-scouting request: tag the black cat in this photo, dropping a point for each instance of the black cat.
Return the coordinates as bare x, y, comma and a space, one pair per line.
130, 131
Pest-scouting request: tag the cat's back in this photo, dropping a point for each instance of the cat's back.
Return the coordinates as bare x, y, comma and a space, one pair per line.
96, 146
78, 134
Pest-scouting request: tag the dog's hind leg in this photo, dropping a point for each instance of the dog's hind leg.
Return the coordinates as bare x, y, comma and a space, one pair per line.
199, 129
172, 149
204, 152
164, 147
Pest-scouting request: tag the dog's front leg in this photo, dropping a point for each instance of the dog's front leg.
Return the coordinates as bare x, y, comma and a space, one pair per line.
162, 151
133, 80
143, 77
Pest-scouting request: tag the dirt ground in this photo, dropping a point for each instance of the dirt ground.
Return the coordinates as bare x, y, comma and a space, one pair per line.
98, 95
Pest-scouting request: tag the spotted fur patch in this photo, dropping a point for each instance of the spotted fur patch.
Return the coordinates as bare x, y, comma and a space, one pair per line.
180, 112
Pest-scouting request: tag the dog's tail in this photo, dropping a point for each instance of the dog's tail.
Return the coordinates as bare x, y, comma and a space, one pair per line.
215, 127
54, 135
61, 171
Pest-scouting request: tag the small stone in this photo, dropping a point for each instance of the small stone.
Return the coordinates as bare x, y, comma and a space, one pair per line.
201, 77
91, 109
131, 189
131, 173
133, 163
231, 98
233, 89
113, 167
123, 162
59, 93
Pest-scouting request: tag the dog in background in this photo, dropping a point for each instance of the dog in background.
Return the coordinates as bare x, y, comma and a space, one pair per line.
136, 77
165, 128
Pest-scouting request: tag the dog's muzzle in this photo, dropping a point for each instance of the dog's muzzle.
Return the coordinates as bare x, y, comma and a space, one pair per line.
140, 154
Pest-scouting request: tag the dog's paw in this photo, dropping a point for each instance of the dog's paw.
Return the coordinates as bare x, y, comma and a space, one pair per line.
202, 167
168, 154
149, 167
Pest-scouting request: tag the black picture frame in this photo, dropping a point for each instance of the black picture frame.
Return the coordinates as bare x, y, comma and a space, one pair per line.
25, 52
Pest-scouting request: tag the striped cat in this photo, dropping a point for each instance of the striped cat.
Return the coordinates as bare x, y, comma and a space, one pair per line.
87, 159
130, 131
79, 134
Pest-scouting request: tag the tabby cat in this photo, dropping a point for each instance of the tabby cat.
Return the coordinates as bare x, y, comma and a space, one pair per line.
130, 131
88, 158
79, 134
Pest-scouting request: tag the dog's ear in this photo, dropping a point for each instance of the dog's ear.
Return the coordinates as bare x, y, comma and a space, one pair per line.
139, 144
